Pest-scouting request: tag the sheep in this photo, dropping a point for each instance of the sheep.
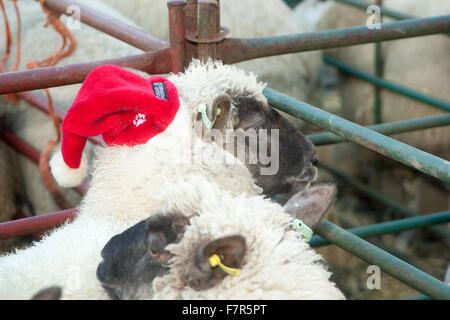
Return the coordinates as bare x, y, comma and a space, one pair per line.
296, 75
129, 182
409, 62
167, 256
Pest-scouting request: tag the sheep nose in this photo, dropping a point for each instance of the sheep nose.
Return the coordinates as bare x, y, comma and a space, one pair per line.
101, 273
315, 160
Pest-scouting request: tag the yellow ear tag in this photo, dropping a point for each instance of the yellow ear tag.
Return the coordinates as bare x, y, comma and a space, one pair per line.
214, 261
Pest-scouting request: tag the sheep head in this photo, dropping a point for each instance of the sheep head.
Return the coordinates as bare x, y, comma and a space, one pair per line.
134, 259
239, 119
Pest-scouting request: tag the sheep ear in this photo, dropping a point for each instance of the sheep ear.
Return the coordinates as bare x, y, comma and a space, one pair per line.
310, 205
51, 293
217, 114
222, 103
231, 251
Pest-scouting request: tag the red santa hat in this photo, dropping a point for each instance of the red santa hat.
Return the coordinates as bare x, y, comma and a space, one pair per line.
125, 108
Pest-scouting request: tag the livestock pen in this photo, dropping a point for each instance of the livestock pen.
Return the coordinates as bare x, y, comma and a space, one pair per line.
195, 32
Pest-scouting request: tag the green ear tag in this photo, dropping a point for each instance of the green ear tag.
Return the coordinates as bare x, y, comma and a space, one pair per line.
302, 228
208, 124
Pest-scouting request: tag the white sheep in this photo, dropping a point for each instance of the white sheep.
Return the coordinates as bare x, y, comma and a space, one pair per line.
420, 64
167, 256
129, 183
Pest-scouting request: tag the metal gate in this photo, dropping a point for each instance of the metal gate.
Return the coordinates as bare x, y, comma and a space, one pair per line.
195, 31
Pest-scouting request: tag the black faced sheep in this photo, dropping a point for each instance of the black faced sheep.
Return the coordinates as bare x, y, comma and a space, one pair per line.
235, 248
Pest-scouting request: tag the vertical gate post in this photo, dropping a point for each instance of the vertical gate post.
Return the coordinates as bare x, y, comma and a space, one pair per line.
177, 35
191, 13
207, 29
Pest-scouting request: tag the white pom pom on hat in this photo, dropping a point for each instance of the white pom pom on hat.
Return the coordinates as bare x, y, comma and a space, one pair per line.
64, 175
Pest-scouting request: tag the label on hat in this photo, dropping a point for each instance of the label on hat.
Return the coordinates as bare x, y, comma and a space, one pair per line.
160, 90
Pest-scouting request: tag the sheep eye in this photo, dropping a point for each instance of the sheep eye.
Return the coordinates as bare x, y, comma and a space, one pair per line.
154, 253
156, 242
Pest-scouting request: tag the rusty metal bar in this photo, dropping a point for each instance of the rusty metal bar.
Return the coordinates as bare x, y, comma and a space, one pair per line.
218, 17
236, 49
30, 152
191, 20
177, 35
40, 103
122, 31
154, 62
35, 224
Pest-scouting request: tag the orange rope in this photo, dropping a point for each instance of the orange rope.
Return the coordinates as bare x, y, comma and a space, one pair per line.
8, 38
61, 53
66, 35
19, 31
69, 41
13, 97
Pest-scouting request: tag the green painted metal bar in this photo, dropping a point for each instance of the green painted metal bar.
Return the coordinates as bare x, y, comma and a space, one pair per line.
390, 227
441, 104
390, 264
370, 139
378, 71
419, 297
402, 256
346, 224
397, 206
388, 128
378, 74
240, 49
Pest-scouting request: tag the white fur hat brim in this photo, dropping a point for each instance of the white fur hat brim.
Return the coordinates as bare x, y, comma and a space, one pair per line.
64, 175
